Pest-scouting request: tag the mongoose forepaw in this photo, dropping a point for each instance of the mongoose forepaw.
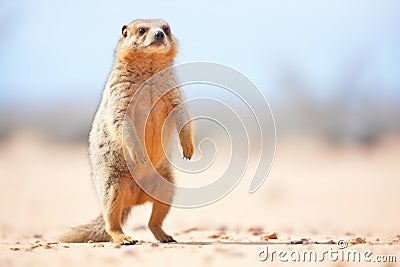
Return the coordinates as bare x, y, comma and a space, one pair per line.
138, 157
142, 161
188, 151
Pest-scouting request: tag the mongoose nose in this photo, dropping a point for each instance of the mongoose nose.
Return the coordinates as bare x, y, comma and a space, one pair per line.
159, 35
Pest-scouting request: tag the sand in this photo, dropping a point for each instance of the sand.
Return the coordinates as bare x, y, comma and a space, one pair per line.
315, 195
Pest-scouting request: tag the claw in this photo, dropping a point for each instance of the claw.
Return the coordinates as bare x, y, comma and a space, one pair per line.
169, 239
129, 243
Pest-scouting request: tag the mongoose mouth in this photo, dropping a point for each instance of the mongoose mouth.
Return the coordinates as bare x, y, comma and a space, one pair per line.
157, 43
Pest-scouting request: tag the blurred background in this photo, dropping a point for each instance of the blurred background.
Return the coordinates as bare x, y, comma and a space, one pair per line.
329, 69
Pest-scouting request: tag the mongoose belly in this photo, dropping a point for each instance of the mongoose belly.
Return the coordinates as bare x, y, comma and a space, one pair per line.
157, 133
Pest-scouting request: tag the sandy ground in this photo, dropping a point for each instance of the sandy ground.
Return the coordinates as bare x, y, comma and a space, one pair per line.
315, 196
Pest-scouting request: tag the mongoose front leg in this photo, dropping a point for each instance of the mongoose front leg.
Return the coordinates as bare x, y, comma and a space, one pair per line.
132, 144
184, 127
113, 208
158, 214
182, 122
186, 139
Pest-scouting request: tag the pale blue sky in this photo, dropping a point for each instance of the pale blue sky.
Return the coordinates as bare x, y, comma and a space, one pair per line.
54, 51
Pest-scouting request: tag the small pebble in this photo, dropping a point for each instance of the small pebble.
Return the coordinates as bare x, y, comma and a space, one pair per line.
256, 230
190, 230
267, 237
214, 236
360, 240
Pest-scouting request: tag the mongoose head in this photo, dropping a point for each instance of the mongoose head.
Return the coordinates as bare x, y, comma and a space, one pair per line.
146, 38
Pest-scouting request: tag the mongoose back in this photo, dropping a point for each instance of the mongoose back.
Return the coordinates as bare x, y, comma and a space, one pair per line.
146, 47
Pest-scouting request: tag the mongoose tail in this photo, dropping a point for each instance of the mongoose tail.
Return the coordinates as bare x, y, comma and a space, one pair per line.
94, 230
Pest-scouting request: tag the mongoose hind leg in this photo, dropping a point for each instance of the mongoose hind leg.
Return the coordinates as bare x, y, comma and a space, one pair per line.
158, 214
113, 215
160, 209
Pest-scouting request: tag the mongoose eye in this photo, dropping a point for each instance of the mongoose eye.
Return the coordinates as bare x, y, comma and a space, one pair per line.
141, 31
166, 30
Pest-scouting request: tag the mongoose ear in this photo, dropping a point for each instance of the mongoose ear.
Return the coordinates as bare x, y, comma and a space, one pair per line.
124, 31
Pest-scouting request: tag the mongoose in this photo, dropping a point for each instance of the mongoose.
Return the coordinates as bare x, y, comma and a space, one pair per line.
146, 47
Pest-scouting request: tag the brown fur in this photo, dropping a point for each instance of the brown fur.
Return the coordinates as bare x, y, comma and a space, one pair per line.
136, 60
